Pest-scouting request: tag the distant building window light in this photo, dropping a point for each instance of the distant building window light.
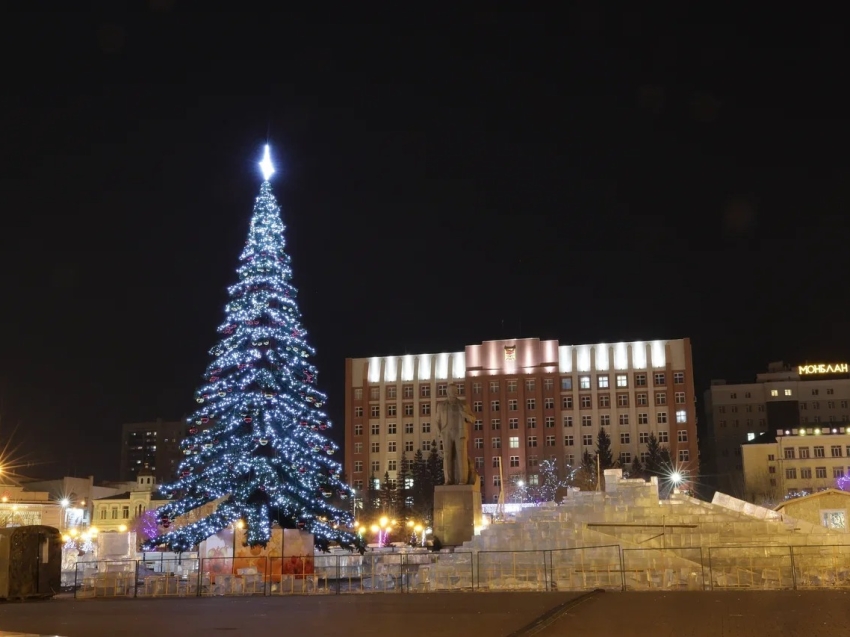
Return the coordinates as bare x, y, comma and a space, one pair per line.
751, 436
774, 392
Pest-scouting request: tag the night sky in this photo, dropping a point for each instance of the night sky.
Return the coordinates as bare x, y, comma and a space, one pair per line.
598, 175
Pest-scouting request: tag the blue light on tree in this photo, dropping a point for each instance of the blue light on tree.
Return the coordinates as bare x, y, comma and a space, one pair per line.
258, 438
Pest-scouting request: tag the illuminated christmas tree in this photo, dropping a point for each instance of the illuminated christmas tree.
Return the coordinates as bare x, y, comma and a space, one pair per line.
258, 439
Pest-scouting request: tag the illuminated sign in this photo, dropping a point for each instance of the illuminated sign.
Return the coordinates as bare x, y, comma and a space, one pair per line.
837, 368
510, 352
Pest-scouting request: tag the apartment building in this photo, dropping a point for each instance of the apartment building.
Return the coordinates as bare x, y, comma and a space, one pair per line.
153, 445
791, 398
533, 400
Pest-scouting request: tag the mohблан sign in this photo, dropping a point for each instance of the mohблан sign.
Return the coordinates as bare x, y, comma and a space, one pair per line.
836, 368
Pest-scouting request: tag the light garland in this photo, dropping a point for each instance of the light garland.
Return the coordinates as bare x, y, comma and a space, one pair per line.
258, 437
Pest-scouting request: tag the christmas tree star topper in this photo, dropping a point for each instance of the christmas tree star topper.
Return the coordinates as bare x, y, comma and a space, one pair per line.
266, 165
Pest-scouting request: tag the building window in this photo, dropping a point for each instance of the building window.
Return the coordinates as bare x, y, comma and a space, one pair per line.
476, 388
408, 409
791, 474
358, 393
604, 400
513, 442
531, 423
643, 437
549, 422
426, 445
408, 445
681, 416
622, 380
640, 380
838, 472
511, 384
376, 447
496, 424
392, 465
622, 400
358, 466
787, 392
568, 441
660, 398
513, 404
641, 399
587, 421
391, 428
585, 402
513, 423
835, 451
375, 411
625, 457
479, 443
358, 430
442, 390
494, 387
358, 447
684, 455
774, 392
426, 427
497, 481
663, 436
587, 440
682, 435
408, 427
532, 441
661, 418
819, 452
550, 441
625, 438
605, 420
643, 419
548, 403
531, 403
659, 378
566, 402
407, 391
478, 425
789, 453
602, 381
679, 378
374, 393
566, 383
376, 429
568, 421
548, 384
584, 382
514, 461
477, 406
479, 463
529, 384
391, 446
494, 405
358, 412
624, 419
679, 397
532, 461
820, 472
390, 392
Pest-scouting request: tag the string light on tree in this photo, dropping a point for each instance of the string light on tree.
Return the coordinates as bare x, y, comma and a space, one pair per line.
257, 441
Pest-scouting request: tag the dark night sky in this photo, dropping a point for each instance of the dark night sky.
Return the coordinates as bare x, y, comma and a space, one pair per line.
598, 175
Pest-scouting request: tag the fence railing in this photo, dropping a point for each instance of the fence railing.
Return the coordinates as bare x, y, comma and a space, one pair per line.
608, 567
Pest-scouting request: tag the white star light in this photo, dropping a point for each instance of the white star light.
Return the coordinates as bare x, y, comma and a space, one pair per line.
266, 165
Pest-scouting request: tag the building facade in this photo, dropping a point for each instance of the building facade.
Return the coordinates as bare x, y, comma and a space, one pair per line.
784, 398
533, 400
155, 445
802, 460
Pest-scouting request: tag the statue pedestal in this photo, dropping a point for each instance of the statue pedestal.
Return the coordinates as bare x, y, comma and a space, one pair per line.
457, 512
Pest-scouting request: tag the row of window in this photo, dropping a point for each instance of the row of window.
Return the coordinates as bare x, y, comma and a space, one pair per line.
603, 381
531, 423
587, 440
585, 402
749, 423
820, 452
787, 392
625, 457
806, 472
830, 404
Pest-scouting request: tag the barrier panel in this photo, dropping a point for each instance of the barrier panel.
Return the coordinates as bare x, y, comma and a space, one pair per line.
676, 569
586, 568
751, 567
512, 570
825, 566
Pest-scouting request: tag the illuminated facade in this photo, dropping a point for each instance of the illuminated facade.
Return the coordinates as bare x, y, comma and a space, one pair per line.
153, 445
533, 400
794, 461
809, 396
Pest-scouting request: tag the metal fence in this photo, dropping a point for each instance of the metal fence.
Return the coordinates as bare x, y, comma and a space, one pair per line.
575, 569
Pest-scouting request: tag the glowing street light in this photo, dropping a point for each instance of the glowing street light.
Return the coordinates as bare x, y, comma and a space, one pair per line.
65, 502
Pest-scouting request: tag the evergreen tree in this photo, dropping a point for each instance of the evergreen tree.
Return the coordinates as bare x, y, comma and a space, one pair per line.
403, 494
603, 450
636, 469
435, 465
388, 496
372, 500
257, 441
584, 477
549, 483
423, 488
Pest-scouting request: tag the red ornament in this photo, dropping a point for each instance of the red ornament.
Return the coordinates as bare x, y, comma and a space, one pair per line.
193, 431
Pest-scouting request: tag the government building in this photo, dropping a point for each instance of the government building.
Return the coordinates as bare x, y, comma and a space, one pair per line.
533, 400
